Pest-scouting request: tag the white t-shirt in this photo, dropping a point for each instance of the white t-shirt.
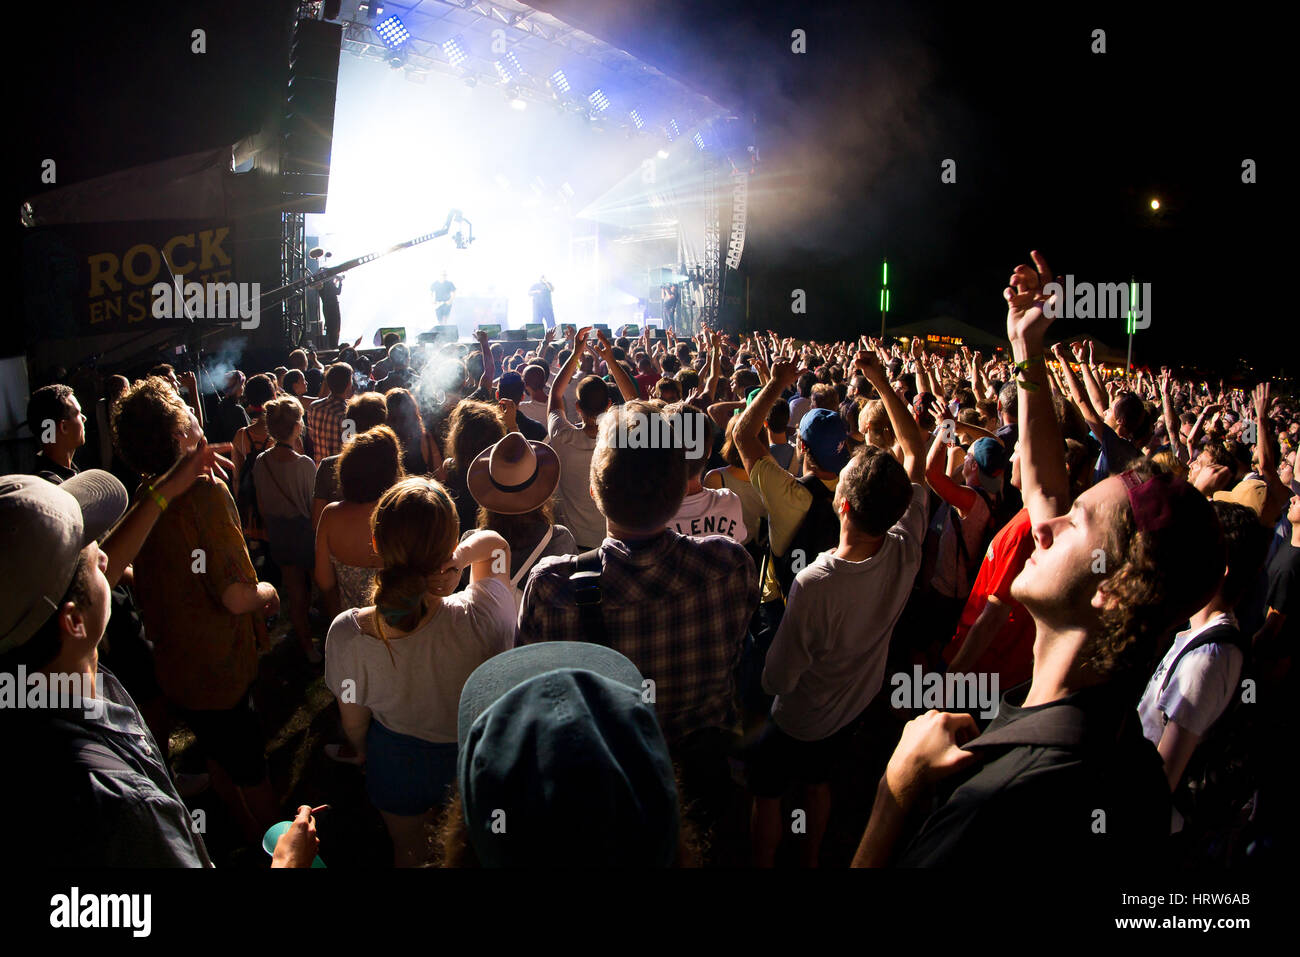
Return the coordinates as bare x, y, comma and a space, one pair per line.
711, 511
420, 694
799, 407
533, 409
827, 661
1199, 691
577, 509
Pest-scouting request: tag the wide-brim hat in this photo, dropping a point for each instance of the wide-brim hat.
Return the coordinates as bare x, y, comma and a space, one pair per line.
514, 476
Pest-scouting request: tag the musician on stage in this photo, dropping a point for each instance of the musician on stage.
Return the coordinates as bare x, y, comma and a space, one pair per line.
444, 291
543, 311
672, 298
328, 290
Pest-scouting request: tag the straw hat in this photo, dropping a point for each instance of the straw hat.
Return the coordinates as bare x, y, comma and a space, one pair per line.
514, 476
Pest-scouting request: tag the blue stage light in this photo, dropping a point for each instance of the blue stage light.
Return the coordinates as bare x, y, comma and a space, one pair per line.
599, 100
698, 140
454, 51
673, 131
560, 81
636, 119
393, 32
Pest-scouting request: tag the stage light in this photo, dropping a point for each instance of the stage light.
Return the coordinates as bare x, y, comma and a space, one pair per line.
673, 131
518, 104
502, 72
599, 100
393, 32
636, 119
1155, 204
663, 154
512, 62
455, 52
698, 140
560, 81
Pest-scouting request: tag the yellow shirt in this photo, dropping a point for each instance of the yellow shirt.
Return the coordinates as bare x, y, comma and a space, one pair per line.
204, 656
787, 503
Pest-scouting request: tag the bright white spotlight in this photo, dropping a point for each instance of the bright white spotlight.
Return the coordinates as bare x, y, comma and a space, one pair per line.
599, 100
673, 131
560, 81
1155, 204
518, 104
636, 119
698, 140
663, 154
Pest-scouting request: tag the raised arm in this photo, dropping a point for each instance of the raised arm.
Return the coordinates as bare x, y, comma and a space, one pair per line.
624, 382
1044, 480
906, 430
748, 432
555, 401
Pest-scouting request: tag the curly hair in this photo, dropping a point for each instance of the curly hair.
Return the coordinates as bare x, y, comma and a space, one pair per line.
145, 425
1161, 579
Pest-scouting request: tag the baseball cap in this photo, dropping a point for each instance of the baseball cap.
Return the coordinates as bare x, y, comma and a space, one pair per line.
991, 458
822, 430
54, 522
1249, 492
562, 762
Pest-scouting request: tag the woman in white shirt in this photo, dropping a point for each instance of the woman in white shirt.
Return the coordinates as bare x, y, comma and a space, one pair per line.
284, 480
398, 665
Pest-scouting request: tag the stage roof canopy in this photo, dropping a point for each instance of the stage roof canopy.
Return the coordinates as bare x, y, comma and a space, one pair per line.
519, 49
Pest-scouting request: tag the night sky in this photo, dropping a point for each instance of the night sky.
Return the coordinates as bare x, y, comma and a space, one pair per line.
1056, 148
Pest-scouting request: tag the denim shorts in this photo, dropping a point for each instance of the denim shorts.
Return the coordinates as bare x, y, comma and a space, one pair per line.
406, 775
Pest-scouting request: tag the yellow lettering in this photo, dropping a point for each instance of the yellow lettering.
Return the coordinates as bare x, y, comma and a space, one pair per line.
169, 252
210, 241
103, 274
138, 309
128, 264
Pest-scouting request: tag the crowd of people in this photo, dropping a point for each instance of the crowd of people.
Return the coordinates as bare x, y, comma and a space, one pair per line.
660, 601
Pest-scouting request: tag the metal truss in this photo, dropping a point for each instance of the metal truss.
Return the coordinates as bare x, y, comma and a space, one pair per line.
712, 242
293, 265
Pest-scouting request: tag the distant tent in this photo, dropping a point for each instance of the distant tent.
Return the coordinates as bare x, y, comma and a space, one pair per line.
951, 328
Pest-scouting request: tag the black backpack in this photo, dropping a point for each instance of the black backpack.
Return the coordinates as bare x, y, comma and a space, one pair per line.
245, 490
819, 530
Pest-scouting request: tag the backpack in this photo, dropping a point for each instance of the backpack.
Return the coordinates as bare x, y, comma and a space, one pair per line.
819, 530
245, 490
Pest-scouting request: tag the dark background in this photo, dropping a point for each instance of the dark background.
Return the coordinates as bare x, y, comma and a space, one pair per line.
1056, 148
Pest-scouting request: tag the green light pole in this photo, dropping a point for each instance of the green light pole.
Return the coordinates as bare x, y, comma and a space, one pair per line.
1132, 320
884, 295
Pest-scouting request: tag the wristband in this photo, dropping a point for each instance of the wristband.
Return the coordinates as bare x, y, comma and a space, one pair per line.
1025, 364
157, 496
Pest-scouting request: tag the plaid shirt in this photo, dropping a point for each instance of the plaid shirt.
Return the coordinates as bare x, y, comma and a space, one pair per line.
677, 607
325, 425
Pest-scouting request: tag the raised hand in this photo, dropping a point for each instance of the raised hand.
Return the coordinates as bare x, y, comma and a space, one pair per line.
1027, 319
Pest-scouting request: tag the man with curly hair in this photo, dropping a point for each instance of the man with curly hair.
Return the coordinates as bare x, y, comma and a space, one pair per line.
1063, 773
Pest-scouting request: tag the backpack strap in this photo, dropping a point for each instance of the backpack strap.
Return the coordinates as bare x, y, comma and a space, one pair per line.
532, 559
1220, 634
587, 595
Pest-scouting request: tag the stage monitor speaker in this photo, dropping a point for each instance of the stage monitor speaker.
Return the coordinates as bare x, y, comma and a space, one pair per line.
443, 333
631, 330
658, 332
516, 335
534, 330
568, 330
385, 330
493, 330
602, 326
